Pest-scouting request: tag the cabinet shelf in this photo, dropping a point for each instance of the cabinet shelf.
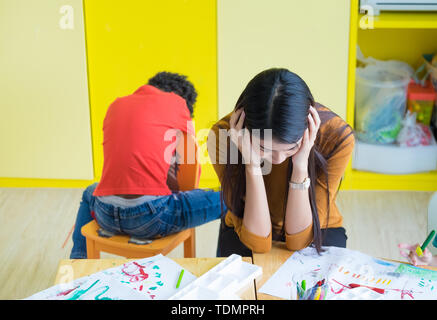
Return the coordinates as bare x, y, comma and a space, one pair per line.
403, 20
363, 180
392, 31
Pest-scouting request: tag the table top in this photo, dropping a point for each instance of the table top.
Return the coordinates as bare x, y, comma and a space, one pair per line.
70, 269
270, 262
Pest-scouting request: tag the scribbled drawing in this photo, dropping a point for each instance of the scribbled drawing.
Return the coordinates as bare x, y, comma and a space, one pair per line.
338, 291
345, 269
383, 263
105, 288
394, 274
413, 271
66, 292
404, 292
86, 293
81, 292
140, 280
135, 271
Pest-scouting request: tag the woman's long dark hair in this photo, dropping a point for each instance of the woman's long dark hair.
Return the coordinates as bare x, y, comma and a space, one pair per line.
277, 99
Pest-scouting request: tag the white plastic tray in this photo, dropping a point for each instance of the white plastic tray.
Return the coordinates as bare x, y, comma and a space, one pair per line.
223, 282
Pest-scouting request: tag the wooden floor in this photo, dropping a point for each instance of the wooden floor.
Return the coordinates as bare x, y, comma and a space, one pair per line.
35, 227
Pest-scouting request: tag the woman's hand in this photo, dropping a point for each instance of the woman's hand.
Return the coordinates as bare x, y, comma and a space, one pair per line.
300, 158
412, 256
241, 138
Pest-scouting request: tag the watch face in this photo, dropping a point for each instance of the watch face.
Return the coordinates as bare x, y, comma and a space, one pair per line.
304, 185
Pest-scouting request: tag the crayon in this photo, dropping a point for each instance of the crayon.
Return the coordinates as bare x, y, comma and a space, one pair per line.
180, 278
419, 250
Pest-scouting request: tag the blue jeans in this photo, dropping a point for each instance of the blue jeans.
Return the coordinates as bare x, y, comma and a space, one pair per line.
152, 219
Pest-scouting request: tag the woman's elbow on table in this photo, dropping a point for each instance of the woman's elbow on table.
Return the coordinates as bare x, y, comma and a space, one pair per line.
256, 243
299, 241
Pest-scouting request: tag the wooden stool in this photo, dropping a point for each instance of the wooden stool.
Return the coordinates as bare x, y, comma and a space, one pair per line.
188, 179
119, 244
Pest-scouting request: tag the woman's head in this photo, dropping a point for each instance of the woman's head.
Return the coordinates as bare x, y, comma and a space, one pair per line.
277, 100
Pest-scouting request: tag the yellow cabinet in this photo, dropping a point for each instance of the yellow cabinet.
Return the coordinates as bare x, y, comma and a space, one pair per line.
401, 36
129, 41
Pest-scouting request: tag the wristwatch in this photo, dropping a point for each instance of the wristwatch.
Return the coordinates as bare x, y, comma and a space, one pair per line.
301, 186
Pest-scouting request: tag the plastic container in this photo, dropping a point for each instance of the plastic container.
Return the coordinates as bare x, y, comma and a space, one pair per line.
225, 281
421, 101
381, 95
431, 66
393, 159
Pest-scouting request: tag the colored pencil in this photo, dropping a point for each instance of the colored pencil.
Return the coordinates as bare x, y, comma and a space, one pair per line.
180, 278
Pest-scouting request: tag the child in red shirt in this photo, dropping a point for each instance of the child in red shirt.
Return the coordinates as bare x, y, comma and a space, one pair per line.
137, 194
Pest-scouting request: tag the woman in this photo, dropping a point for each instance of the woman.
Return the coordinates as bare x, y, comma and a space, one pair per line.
138, 194
306, 156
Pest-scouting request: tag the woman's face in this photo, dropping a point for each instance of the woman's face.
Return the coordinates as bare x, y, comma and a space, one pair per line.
277, 151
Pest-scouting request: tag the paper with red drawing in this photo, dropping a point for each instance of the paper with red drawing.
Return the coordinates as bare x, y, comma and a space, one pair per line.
152, 278
347, 273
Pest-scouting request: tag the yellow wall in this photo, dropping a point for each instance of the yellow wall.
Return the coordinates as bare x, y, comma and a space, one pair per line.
310, 38
44, 121
129, 41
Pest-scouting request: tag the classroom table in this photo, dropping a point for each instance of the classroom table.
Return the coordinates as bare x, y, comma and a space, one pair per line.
84, 267
271, 261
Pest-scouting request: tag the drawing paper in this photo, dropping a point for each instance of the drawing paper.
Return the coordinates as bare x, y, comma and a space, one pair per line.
152, 278
340, 268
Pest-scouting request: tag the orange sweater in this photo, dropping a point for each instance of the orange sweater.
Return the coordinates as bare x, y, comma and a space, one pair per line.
337, 159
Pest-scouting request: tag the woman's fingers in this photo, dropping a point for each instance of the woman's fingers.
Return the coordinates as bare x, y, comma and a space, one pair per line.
312, 128
234, 118
316, 116
240, 122
305, 138
313, 123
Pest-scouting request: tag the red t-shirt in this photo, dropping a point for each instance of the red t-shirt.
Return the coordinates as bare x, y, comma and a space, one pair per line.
137, 141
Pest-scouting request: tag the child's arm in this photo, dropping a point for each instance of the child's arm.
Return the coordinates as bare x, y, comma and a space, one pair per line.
427, 259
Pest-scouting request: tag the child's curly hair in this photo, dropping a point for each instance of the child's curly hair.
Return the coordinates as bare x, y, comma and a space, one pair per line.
174, 82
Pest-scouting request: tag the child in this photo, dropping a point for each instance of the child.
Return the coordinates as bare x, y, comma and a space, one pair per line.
137, 194
426, 260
